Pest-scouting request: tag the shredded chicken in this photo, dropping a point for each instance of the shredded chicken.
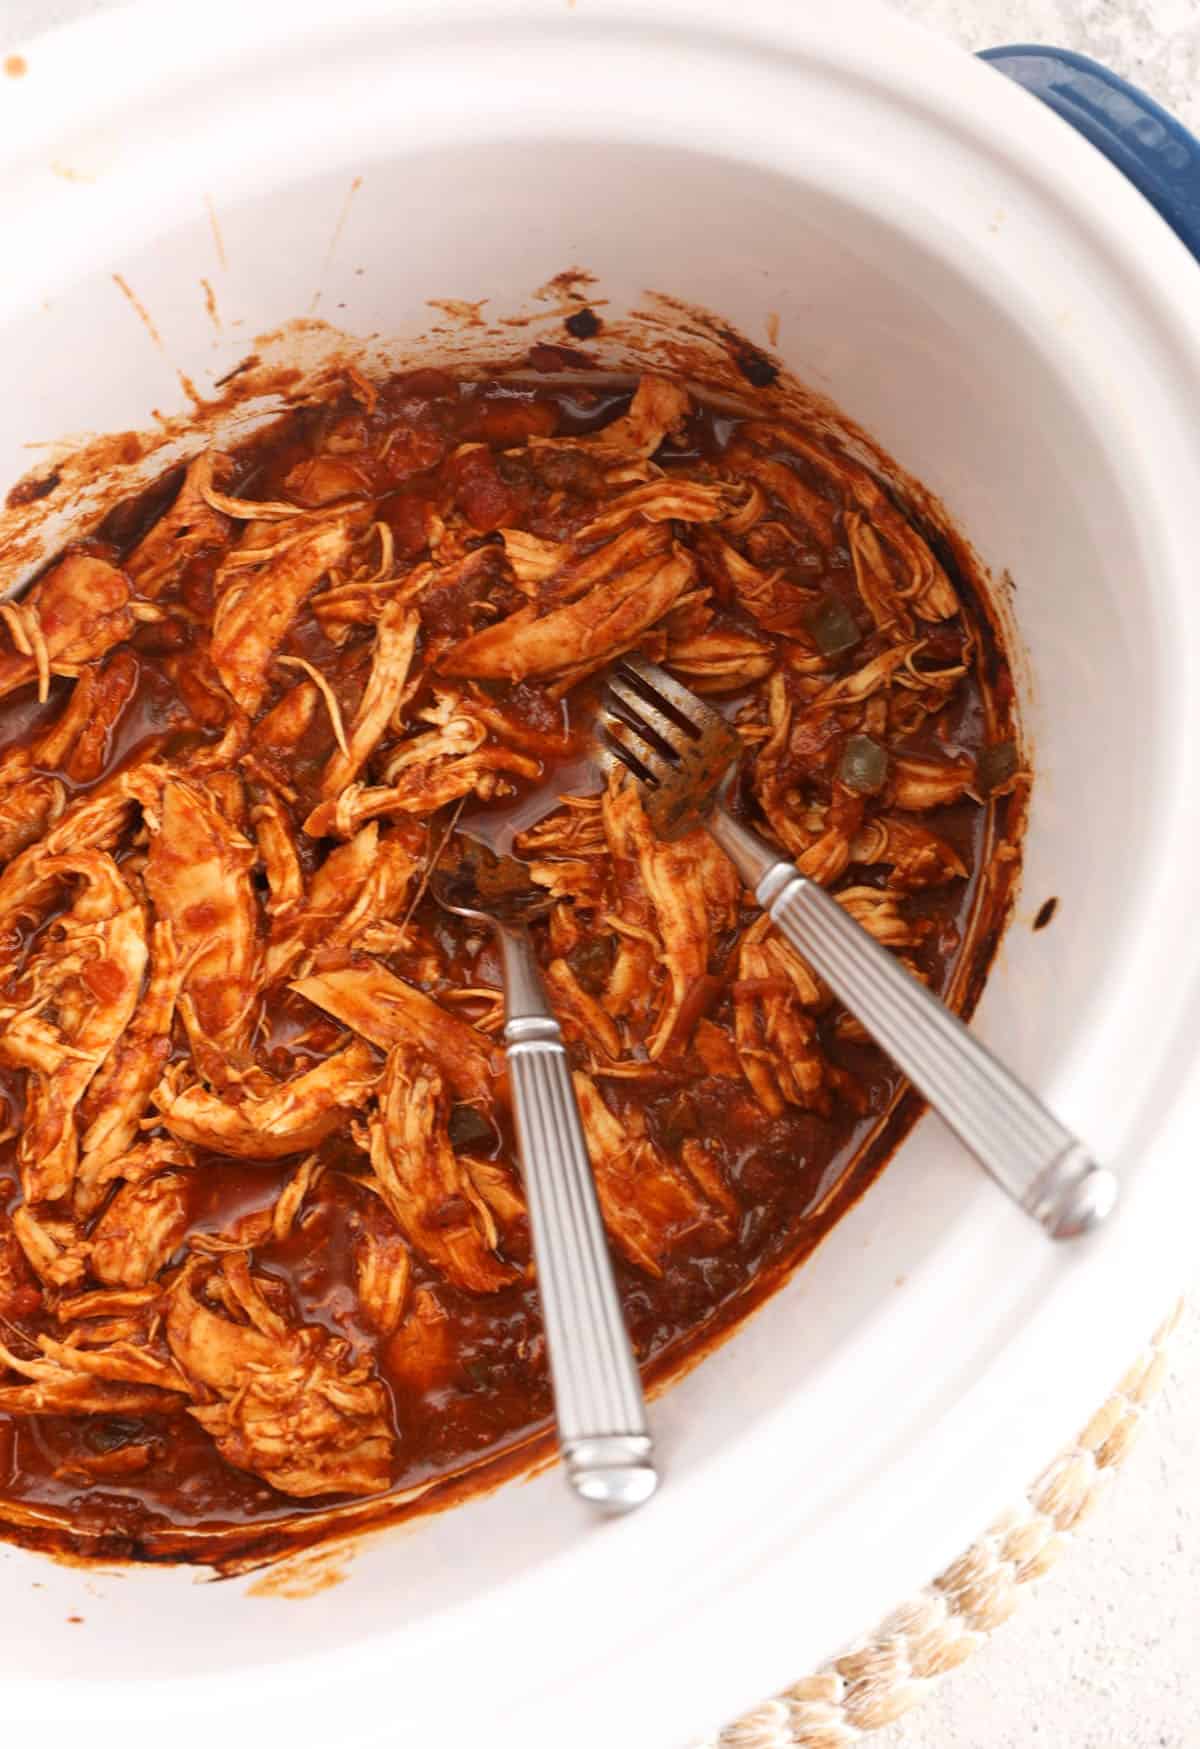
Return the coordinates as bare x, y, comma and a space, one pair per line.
917, 857
693, 891
79, 995
775, 1032
922, 783
428, 1192
118, 1094
53, 1248
191, 526
139, 1230
285, 1401
27, 810
422, 1353
198, 877
382, 1275
583, 1018
395, 641
380, 1007
720, 660
359, 884
74, 615
256, 607
75, 743
257, 1155
648, 1206
604, 621
297, 1114
659, 409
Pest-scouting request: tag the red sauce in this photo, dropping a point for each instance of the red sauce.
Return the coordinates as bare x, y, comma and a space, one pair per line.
792, 1174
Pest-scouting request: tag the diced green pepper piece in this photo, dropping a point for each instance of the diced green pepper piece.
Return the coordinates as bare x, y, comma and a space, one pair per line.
996, 764
864, 765
833, 627
469, 1128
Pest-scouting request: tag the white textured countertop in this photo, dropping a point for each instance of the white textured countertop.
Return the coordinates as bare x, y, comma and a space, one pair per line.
1106, 1654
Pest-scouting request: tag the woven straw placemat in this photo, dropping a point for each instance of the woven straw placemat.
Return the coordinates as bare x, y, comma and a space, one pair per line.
892, 1669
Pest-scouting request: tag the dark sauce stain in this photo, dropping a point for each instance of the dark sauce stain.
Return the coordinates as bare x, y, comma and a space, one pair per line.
1045, 914
250, 362
583, 325
756, 367
752, 363
546, 357
29, 490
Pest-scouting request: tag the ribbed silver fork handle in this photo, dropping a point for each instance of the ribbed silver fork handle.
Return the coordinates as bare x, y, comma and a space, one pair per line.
601, 1414
1041, 1165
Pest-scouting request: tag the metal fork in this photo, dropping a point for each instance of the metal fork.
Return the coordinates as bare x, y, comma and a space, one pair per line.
602, 1430
680, 750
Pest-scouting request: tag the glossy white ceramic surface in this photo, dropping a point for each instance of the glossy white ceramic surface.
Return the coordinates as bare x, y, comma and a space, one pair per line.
984, 294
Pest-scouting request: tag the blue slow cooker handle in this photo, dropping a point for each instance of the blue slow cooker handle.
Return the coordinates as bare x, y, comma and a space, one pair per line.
1158, 155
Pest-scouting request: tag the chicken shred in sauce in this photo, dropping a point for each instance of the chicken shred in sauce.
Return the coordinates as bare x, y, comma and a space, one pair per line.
263, 1241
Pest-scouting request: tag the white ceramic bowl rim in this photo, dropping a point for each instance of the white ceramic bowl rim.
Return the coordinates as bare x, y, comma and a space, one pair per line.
661, 1626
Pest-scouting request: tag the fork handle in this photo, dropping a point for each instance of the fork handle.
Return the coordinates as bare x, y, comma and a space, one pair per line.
599, 1408
1041, 1165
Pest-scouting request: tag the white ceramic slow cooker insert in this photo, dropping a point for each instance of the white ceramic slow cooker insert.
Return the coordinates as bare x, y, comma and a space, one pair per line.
983, 293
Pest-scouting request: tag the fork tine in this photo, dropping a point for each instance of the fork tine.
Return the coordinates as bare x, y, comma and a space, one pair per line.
679, 697
677, 747
625, 739
640, 714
